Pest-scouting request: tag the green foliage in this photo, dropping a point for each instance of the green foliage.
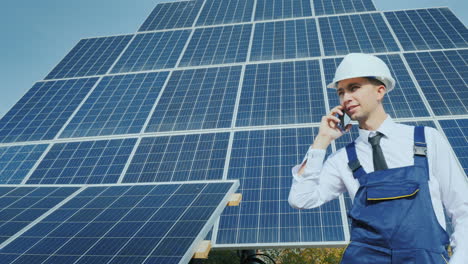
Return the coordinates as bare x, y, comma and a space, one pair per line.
282, 256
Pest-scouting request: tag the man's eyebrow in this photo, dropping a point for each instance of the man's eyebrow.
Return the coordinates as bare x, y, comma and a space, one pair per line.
347, 86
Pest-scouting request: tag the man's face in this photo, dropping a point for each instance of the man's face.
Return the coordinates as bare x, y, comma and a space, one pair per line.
359, 97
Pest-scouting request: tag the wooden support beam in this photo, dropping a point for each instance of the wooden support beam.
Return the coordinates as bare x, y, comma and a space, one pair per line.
235, 199
203, 249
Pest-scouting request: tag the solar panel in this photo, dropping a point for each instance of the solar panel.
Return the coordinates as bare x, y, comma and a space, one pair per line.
281, 93
217, 45
179, 158
119, 104
404, 101
441, 76
179, 14
435, 28
20, 206
327, 7
197, 99
43, 110
16, 161
224, 12
86, 162
124, 224
366, 33
262, 162
285, 40
277, 9
456, 131
92, 56
152, 51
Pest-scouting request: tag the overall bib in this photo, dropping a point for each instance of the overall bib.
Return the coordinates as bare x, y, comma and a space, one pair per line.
393, 221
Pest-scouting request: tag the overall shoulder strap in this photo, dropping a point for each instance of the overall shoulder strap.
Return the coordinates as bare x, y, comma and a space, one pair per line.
420, 147
353, 162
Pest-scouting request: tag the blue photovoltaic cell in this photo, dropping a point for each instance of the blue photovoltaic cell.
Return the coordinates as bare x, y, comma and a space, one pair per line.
281, 93
197, 99
22, 205
262, 161
152, 51
403, 101
366, 33
179, 14
457, 133
119, 104
277, 9
43, 110
16, 161
90, 57
87, 162
442, 77
179, 158
330, 7
123, 224
224, 12
285, 40
422, 29
217, 45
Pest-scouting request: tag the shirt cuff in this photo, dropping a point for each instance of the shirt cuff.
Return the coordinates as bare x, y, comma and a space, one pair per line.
314, 159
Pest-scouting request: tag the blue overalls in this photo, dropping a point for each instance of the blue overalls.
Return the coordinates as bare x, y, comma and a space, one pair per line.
393, 221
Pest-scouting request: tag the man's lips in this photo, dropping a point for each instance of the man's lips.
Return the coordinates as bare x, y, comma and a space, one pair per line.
350, 109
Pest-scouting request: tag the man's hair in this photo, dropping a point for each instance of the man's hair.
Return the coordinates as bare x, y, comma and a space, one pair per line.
374, 81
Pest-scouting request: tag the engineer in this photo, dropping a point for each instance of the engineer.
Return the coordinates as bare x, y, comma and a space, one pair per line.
399, 177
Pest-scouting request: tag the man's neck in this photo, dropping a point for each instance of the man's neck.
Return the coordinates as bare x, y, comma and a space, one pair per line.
373, 122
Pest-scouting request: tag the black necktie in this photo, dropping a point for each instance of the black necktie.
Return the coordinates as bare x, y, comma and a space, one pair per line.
377, 155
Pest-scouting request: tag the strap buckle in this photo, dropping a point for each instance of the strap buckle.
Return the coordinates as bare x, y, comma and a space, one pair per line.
354, 165
420, 149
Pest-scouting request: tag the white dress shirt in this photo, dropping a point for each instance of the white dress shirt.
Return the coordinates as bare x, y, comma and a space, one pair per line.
321, 182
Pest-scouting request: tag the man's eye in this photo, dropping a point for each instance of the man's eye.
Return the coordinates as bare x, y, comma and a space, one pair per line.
353, 88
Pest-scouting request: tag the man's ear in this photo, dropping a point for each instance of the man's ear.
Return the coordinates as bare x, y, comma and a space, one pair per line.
381, 91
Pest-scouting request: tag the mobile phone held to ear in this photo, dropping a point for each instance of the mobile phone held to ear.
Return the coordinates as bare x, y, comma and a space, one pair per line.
344, 121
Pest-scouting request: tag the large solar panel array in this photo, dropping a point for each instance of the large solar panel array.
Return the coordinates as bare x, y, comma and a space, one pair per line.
110, 224
205, 91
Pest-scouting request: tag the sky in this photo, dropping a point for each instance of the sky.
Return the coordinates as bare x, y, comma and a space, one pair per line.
36, 35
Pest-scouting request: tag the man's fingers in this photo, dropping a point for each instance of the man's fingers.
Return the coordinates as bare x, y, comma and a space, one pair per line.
348, 127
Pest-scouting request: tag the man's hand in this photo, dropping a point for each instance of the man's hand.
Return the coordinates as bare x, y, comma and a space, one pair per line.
329, 130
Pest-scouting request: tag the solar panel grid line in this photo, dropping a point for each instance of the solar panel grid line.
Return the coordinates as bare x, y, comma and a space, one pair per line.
41, 112
120, 55
77, 109
213, 220
161, 92
319, 36
79, 65
437, 91
40, 218
435, 26
392, 32
464, 81
344, 217
69, 52
443, 132
451, 25
129, 239
184, 49
186, 257
130, 158
17, 161
34, 167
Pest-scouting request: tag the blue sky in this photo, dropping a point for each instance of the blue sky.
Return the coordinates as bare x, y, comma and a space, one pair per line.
36, 35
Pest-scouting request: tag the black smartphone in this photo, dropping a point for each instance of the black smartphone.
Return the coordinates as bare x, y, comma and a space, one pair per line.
344, 121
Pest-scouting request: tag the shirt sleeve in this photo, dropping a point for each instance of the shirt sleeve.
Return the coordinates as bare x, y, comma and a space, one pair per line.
318, 183
453, 188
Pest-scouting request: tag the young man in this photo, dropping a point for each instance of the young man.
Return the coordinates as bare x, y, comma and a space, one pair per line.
399, 177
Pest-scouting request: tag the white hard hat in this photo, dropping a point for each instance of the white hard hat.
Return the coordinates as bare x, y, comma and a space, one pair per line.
356, 65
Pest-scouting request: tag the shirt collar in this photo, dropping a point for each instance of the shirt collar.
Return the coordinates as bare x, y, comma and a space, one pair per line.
385, 128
